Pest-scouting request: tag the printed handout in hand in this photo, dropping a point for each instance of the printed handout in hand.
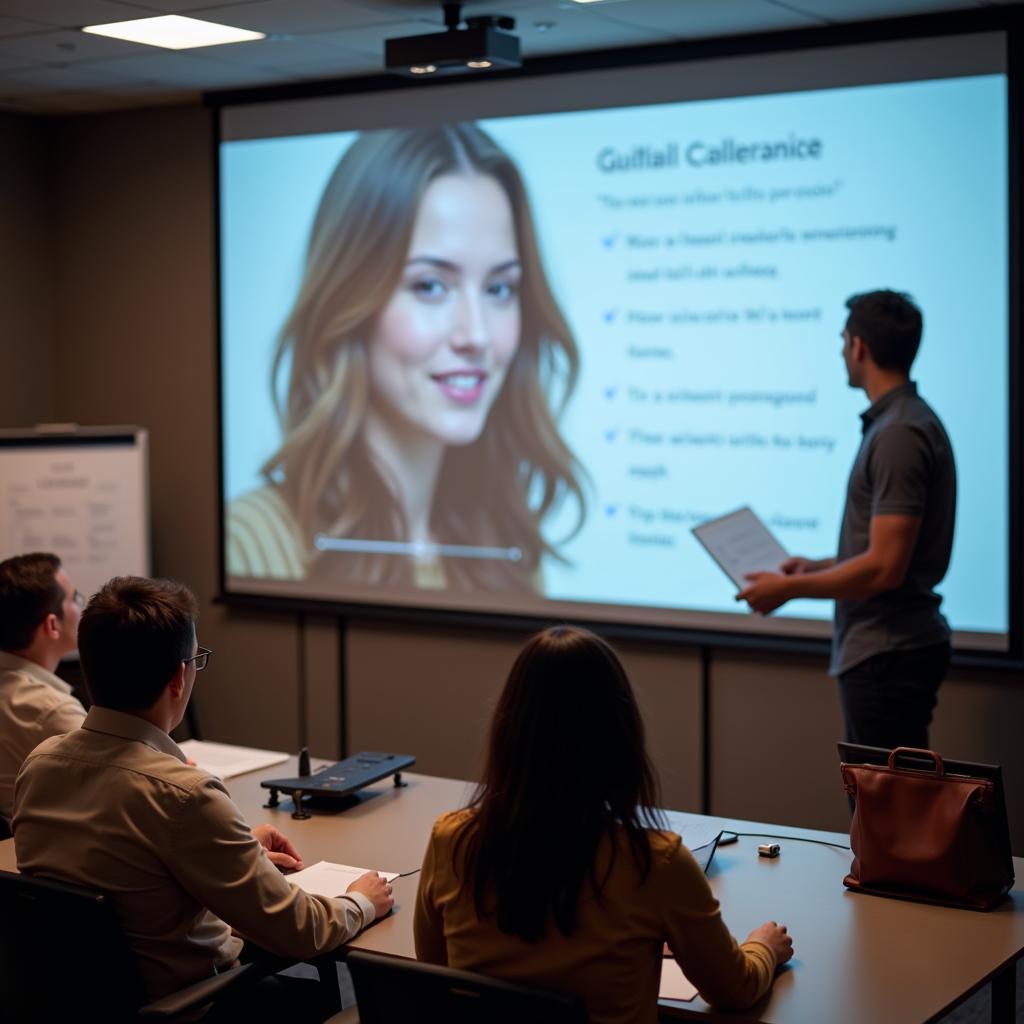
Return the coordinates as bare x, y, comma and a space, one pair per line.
740, 543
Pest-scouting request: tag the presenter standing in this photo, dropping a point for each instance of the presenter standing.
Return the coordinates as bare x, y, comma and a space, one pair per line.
890, 644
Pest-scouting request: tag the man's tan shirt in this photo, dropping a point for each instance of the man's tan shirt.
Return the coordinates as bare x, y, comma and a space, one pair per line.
114, 806
34, 705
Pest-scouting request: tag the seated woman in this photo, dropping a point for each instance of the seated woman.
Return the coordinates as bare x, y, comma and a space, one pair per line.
559, 873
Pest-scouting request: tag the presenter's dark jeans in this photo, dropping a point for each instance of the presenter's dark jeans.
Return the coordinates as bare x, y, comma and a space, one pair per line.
888, 700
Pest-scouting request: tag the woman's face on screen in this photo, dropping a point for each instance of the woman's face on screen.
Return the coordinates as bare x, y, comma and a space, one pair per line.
443, 343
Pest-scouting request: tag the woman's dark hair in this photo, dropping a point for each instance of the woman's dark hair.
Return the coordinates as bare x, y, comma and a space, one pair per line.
566, 767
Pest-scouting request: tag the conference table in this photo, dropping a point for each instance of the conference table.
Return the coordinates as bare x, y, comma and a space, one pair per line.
858, 959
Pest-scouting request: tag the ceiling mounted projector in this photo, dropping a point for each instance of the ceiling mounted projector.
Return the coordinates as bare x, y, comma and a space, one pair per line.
483, 44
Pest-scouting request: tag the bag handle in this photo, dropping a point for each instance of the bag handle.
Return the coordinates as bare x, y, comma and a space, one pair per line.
940, 769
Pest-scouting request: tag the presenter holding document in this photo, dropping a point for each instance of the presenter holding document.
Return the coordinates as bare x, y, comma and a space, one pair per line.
891, 644
417, 380
560, 873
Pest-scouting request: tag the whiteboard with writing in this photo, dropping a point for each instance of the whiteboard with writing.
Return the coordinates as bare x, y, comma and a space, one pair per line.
82, 494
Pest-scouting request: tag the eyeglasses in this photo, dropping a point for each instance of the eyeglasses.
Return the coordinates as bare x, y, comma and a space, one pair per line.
200, 658
78, 598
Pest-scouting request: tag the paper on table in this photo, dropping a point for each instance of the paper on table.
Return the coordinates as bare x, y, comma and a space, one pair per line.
674, 984
326, 879
740, 543
226, 761
698, 835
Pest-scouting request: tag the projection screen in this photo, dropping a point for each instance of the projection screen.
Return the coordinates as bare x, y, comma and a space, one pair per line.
516, 384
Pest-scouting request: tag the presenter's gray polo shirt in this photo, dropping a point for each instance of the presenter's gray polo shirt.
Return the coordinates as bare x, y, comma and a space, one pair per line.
904, 467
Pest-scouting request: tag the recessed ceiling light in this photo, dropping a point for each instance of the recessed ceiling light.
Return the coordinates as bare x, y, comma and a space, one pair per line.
422, 69
478, 64
173, 32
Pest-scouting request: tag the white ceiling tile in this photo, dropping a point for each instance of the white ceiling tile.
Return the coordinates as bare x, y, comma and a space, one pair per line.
342, 65
862, 10
70, 13
510, 7
340, 38
19, 26
67, 47
71, 78
266, 53
294, 17
696, 19
193, 8
403, 10
13, 65
371, 40
190, 72
577, 28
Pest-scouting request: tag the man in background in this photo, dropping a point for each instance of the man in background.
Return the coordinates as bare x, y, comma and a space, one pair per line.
115, 806
890, 645
39, 612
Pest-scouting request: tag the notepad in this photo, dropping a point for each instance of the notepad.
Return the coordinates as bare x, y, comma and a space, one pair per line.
226, 761
674, 984
699, 835
326, 879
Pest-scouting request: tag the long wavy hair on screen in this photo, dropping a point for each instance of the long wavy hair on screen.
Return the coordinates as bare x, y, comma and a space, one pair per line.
496, 490
567, 768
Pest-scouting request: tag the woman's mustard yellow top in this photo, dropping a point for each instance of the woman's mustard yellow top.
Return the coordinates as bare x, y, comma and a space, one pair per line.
613, 959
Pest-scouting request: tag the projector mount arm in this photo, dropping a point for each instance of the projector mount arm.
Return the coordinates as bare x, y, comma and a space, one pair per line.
453, 19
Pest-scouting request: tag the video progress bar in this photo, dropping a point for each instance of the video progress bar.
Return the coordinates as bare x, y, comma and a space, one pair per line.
415, 549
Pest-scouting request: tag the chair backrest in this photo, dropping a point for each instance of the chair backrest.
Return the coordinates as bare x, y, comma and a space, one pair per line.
63, 955
390, 990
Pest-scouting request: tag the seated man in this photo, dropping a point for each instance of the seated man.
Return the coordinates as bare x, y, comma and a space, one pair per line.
114, 806
39, 610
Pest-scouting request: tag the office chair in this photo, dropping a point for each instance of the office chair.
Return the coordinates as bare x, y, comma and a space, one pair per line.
64, 957
394, 991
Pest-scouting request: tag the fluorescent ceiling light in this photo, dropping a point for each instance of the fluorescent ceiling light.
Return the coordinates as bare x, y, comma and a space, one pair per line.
173, 32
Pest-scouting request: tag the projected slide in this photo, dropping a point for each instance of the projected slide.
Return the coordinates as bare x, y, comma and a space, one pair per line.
509, 364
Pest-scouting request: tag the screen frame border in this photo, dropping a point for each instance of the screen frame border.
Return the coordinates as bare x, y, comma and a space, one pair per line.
1008, 20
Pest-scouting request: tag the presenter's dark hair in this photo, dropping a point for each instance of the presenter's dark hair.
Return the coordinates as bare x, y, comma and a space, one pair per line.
566, 767
132, 637
29, 591
889, 323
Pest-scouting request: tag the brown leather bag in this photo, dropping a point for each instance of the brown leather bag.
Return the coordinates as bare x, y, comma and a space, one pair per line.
925, 835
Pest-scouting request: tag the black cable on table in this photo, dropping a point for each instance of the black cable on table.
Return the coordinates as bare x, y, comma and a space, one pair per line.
795, 839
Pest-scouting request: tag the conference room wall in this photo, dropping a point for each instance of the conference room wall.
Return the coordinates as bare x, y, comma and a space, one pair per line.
775, 722
432, 691
134, 304
135, 311
26, 264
